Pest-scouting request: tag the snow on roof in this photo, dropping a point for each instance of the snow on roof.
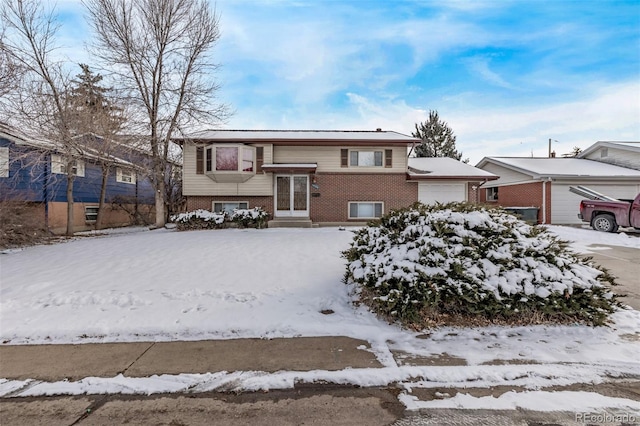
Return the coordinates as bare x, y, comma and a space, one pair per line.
297, 135
624, 145
445, 167
561, 167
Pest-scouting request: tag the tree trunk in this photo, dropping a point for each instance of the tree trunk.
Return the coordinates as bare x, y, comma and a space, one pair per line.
70, 180
103, 195
160, 196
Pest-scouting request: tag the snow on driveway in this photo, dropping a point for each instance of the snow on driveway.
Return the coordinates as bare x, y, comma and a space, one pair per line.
166, 285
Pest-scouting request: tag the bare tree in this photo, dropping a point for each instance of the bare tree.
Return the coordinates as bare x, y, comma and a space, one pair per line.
160, 53
40, 104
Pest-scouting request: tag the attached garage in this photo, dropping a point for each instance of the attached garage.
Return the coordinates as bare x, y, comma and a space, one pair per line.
431, 193
445, 180
565, 205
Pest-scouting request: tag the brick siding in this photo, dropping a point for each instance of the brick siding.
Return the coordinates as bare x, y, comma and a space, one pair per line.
522, 195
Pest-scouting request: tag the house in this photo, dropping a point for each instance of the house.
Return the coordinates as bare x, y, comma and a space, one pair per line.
34, 171
625, 154
544, 183
309, 178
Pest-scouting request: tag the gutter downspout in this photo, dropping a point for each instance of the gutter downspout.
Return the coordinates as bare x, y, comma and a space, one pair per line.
544, 200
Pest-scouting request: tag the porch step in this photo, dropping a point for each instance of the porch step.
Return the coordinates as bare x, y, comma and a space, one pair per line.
291, 222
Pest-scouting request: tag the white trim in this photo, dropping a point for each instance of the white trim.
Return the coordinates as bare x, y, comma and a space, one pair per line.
58, 166
290, 212
121, 178
350, 203
4, 161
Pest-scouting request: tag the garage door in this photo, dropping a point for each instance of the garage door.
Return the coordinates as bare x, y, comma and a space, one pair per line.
565, 205
431, 193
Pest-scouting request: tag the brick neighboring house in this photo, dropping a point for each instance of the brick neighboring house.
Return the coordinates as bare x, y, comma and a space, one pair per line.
544, 183
34, 172
307, 178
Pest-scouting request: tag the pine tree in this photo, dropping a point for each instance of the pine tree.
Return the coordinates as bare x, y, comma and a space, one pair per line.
437, 137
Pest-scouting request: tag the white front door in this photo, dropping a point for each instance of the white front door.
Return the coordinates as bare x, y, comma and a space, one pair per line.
292, 196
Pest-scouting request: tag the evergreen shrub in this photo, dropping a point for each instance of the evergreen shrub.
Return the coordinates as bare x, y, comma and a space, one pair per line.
423, 264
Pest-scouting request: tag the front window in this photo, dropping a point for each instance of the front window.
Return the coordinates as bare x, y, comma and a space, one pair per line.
365, 158
492, 194
229, 159
366, 210
229, 206
59, 165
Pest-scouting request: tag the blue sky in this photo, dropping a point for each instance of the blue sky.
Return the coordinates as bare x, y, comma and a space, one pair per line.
505, 75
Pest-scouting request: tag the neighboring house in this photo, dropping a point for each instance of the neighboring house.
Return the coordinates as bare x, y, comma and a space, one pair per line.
34, 172
305, 177
544, 183
625, 154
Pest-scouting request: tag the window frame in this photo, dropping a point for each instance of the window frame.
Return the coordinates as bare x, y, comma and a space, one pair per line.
4, 161
492, 193
381, 203
86, 215
213, 205
120, 175
210, 159
378, 154
58, 166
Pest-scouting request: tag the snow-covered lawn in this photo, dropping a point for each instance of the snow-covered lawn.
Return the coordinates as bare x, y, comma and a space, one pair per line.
166, 285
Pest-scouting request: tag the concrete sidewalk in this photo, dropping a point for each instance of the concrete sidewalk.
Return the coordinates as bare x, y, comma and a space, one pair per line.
141, 359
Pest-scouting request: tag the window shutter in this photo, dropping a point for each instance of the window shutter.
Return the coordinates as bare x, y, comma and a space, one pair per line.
209, 163
199, 160
388, 155
259, 158
344, 158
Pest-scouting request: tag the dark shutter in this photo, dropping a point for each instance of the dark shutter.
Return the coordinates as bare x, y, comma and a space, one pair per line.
344, 158
209, 162
388, 156
199, 160
259, 158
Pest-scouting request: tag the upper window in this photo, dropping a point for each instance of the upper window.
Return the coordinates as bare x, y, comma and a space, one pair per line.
492, 194
227, 158
59, 165
365, 158
366, 210
125, 175
4, 161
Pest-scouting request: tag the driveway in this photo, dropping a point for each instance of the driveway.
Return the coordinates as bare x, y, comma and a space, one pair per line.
624, 264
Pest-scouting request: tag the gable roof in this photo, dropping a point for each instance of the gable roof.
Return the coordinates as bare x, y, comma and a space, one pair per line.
539, 168
625, 146
302, 137
426, 168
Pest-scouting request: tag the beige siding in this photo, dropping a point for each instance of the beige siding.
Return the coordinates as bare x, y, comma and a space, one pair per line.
328, 158
194, 184
507, 176
619, 157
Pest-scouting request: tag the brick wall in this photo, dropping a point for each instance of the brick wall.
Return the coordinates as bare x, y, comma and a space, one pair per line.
337, 189
522, 195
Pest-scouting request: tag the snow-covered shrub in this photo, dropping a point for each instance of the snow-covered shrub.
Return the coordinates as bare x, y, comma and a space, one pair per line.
425, 263
199, 219
250, 218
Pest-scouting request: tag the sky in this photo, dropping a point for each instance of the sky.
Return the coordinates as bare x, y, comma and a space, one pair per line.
506, 76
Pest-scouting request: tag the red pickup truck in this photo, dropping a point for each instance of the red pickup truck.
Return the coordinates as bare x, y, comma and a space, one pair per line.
607, 215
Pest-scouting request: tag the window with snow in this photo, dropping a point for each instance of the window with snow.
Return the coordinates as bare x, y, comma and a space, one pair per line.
365, 210
229, 206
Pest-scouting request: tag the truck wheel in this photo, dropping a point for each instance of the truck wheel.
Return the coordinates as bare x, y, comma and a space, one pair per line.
604, 223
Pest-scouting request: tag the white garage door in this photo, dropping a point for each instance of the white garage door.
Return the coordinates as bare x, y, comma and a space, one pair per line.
565, 205
431, 193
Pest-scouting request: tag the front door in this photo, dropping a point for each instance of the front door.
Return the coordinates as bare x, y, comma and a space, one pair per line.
292, 196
